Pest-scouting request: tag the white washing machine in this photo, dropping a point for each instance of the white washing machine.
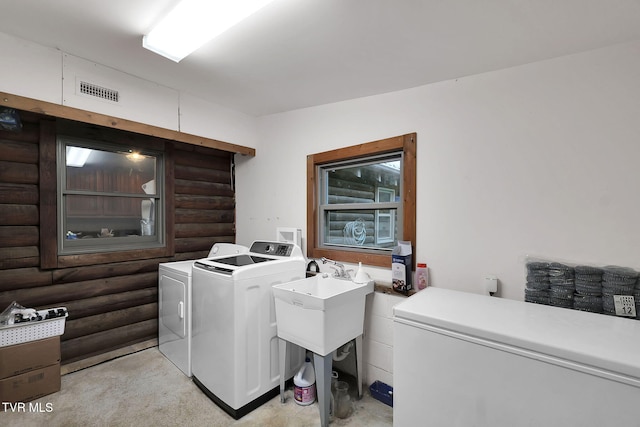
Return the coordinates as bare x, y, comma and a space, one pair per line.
235, 341
174, 306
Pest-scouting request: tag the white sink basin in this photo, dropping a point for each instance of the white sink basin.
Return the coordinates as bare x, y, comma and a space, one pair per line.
320, 313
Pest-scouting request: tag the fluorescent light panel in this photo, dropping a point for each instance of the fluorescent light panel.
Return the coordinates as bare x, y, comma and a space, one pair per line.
193, 23
77, 156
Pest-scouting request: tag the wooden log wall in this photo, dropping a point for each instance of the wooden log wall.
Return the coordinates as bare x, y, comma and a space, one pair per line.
204, 200
112, 305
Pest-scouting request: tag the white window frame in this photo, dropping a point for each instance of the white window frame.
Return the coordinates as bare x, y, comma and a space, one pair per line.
392, 223
325, 207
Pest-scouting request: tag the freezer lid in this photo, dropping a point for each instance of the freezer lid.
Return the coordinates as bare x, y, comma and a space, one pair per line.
606, 342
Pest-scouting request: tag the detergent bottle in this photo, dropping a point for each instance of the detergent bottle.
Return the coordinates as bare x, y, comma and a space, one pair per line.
304, 392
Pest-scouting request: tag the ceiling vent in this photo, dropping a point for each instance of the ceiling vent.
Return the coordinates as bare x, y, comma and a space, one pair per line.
96, 91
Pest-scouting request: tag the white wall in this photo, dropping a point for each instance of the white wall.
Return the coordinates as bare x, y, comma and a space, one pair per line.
378, 339
539, 160
30, 70
200, 117
542, 159
34, 71
139, 100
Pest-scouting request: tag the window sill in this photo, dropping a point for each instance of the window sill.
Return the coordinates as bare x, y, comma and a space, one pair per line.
379, 287
387, 288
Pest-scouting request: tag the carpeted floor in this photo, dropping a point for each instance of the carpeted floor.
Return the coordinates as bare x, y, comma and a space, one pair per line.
146, 389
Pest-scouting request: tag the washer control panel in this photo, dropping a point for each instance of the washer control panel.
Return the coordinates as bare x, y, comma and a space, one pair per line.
272, 248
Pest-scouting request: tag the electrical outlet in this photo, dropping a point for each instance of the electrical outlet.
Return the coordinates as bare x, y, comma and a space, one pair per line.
490, 284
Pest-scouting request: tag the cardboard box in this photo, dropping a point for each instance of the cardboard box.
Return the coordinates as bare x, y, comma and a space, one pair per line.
30, 385
20, 358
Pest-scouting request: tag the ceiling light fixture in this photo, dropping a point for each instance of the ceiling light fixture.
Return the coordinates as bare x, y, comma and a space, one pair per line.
134, 156
192, 23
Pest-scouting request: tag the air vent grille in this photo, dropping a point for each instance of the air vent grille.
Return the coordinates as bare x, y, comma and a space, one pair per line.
99, 91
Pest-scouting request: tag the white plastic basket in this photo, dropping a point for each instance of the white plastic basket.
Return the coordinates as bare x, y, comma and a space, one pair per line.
31, 331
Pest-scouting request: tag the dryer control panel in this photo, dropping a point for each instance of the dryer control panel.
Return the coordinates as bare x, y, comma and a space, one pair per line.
272, 248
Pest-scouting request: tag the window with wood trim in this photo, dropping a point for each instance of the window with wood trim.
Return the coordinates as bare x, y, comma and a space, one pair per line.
53, 228
361, 200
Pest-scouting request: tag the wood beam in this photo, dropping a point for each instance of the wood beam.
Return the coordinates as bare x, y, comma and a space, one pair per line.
62, 111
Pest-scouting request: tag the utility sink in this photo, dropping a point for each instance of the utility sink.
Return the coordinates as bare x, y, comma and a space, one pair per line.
320, 313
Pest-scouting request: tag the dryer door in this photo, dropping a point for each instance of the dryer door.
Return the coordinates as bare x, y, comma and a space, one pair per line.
172, 302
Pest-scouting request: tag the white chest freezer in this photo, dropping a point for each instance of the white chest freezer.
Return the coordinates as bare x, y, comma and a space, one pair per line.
463, 359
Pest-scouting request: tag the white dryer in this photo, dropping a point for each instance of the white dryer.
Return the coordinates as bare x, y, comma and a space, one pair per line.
235, 341
174, 306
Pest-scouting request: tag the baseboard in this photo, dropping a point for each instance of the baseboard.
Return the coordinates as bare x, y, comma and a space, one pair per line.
104, 357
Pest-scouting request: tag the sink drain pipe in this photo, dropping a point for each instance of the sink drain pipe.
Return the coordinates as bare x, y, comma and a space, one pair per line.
345, 350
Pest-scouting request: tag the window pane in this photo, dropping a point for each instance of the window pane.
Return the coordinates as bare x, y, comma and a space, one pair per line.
385, 195
361, 183
372, 229
384, 227
103, 216
385, 231
111, 172
110, 197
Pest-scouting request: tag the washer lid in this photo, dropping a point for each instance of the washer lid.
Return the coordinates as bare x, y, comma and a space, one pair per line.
242, 260
228, 264
260, 252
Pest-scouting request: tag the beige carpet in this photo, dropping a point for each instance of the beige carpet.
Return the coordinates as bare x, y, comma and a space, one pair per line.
146, 389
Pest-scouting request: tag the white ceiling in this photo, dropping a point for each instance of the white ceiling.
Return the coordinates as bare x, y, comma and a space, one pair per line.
301, 53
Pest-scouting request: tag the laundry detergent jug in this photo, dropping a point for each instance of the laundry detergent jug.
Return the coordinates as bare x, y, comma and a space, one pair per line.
304, 391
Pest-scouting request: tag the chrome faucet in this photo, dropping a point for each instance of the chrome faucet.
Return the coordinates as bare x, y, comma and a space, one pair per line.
340, 272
